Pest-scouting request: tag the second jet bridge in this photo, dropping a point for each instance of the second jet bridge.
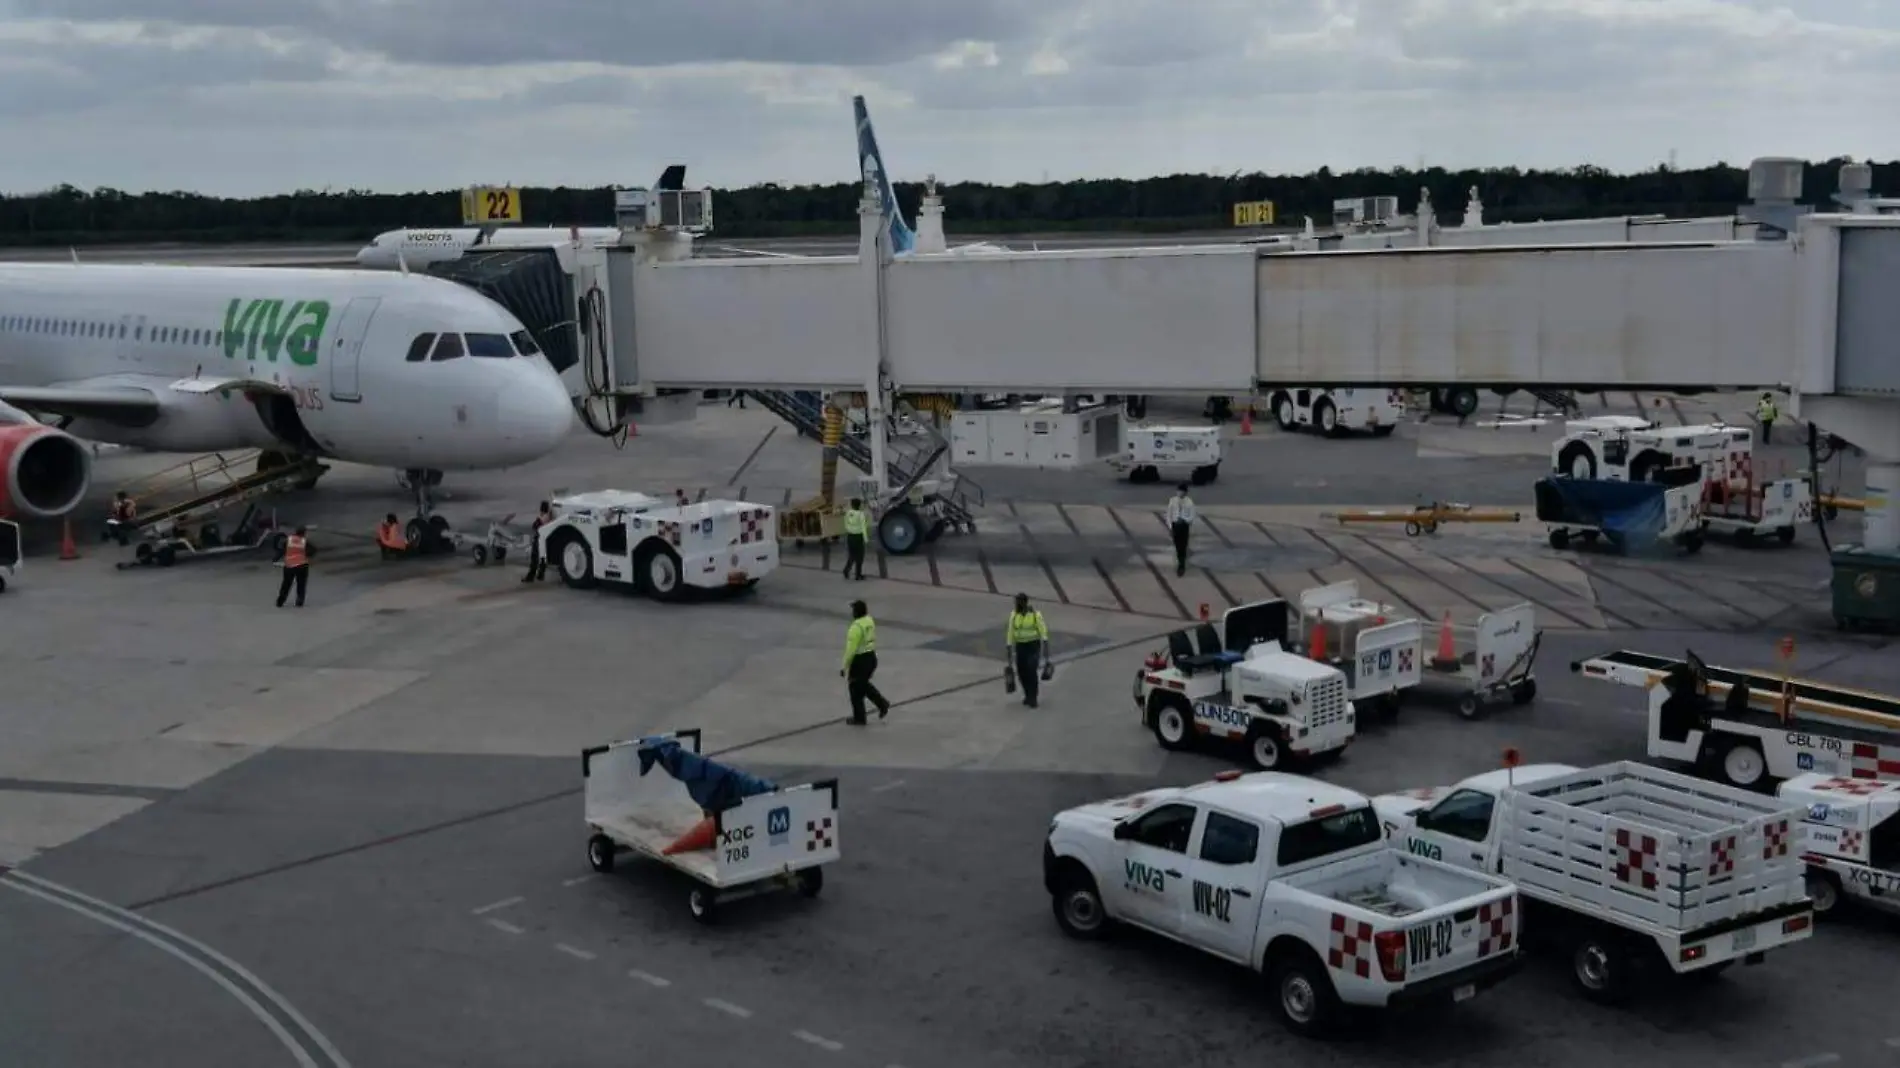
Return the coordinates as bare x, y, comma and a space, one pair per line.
1813, 315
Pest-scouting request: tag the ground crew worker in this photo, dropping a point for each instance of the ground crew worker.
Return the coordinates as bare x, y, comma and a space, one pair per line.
1026, 641
1180, 524
119, 520
860, 663
390, 538
1765, 414
537, 564
296, 565
857, 525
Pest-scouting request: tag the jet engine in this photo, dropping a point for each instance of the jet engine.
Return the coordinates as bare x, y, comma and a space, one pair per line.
44, 471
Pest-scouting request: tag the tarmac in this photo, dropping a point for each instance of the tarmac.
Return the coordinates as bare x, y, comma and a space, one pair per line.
350, 833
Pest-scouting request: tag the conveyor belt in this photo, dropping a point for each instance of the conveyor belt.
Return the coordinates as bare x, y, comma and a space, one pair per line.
1766, 684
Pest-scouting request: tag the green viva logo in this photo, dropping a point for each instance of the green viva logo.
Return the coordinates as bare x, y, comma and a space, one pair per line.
273, 327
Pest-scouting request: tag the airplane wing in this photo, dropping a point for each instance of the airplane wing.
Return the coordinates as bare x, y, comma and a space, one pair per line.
227, 384
128, 405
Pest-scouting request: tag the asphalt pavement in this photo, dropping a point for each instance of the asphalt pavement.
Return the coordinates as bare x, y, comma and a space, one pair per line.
351, 834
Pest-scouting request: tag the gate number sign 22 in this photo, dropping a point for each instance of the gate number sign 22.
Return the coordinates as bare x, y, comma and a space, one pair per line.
499, 204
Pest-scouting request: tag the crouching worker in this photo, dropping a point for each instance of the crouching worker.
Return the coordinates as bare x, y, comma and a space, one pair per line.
390, 538
121, 520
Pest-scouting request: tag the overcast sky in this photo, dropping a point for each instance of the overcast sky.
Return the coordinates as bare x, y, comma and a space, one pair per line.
257, 96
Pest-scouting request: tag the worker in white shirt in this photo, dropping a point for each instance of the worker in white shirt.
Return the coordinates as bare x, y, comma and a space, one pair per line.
1180, 524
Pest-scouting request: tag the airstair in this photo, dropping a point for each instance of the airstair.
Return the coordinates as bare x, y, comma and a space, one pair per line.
192, 492
910, 457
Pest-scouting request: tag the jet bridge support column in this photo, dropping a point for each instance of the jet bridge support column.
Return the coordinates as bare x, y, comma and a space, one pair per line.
873, 252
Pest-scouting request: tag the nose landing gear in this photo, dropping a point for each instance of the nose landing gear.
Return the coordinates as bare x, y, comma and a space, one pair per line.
427, 533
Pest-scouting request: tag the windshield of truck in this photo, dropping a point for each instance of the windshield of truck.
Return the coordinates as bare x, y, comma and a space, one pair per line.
1326, 835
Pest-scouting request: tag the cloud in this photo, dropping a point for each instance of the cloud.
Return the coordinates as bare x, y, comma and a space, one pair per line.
438, 93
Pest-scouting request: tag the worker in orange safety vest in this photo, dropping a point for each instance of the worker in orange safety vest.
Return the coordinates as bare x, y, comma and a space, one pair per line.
390, 538
296, 565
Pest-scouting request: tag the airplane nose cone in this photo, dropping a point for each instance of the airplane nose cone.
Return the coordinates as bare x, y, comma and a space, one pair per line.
537, 413
365, 256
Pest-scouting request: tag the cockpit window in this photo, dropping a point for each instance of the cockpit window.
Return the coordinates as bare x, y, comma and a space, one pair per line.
419, 348
448, 347
492, 346
524, 343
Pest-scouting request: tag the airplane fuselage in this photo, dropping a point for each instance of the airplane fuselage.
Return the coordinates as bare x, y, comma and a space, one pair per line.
321, 362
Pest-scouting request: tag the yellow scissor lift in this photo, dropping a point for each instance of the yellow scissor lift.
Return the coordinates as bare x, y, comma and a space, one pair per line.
177, 507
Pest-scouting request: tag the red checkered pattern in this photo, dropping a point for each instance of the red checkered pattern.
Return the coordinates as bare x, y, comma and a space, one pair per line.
1405, 659
1774, 839
1350, 948
1486, 665
1855, 787
1869, 762
670, 531
1636, 858
752, 525
1722, 856
817, 834
1496, 918
1852, 842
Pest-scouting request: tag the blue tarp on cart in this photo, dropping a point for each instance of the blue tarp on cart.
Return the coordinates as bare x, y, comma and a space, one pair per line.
713, 786
1630, 511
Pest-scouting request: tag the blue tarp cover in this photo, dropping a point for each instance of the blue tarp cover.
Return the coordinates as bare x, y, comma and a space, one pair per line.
1634, 510
714, 786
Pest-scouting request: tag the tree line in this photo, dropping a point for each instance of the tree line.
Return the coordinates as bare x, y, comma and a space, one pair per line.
71, 216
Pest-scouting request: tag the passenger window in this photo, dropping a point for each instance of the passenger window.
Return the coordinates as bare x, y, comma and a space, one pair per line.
490, 346
419, 348
448, 347
524, 343
1465, 814
1226, 840
1168, 827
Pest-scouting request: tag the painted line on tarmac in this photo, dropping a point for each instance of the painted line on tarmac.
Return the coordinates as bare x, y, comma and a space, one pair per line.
649, 978
506, 928
495, 906
568, 793
573, 951
818, 1040
727, 1007
299, 1037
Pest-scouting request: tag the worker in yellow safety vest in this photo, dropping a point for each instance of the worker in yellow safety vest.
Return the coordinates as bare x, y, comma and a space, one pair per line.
860, 663
296, 565
1765, 414
857, 526
1027, 642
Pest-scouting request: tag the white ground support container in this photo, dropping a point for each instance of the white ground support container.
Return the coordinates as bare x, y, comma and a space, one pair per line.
1623, 865
1849, 839
660, 547
778, 840
1492, 660
1192, 453
1735, 503
1730, 725
10, 551
1379, 647
1035, 435
1336, 411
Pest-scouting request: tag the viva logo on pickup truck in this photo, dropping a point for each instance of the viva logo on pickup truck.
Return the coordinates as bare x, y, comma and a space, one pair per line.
1429, 941
274, 328
1140, 876
1420, 847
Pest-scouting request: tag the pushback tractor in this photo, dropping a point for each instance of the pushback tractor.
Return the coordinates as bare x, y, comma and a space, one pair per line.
659, 547
1751, 728
1719, 458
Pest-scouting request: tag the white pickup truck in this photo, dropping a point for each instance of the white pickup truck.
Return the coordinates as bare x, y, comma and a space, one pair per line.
1291, 877
1623, 866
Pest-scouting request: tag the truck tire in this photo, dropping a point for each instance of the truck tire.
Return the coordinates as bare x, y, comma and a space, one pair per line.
899, 531
1078, 904
1578, 461
1739, 762
1824, 890
573, 559
1204, 474
1303, 994
1601, 966
600, 853
1461, 402
1326, 418
1283, 412
656, 571
1173, 721
1265, 750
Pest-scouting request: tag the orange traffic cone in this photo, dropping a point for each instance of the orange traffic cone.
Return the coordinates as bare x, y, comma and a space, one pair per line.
1246, 420
1447, 658
700, 837
68, 549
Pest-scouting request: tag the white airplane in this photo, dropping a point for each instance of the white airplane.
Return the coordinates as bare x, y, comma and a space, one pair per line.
394, 249
391, 370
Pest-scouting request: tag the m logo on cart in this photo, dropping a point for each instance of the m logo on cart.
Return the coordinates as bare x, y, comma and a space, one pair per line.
778, 825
